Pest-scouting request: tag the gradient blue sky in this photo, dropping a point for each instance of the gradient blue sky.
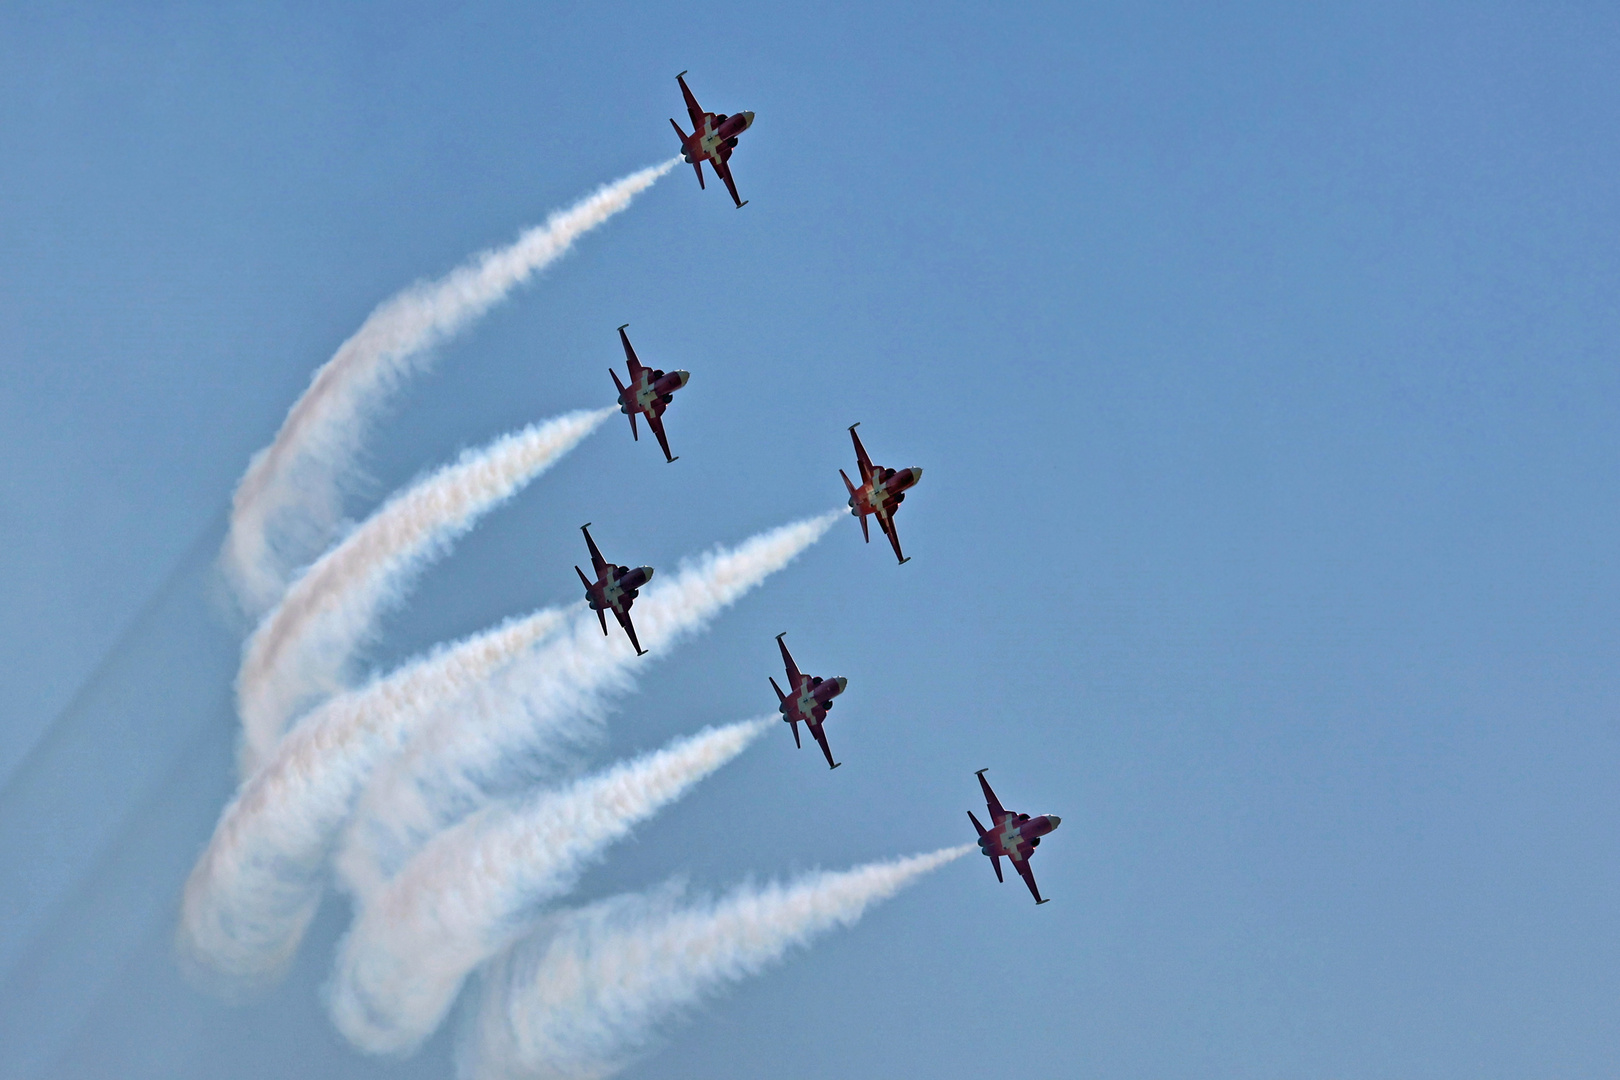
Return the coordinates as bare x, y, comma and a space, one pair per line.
1262, 365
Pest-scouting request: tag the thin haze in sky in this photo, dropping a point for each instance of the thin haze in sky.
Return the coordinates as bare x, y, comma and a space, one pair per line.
1260, 363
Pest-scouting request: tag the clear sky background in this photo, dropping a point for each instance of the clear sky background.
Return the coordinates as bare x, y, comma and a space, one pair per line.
1261, 361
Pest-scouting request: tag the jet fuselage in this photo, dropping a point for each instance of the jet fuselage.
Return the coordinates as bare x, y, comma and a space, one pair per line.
650, 391
1015, 835
885, 491
618, 590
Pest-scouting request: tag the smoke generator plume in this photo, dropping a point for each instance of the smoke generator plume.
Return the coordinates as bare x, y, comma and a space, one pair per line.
474, 888
553, 696
290, 499
301, 650
252, 894
579, 998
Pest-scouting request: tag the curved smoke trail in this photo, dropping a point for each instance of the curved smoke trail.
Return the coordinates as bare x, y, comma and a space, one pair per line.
251, 896
290, 499
473, 889
555, 694
582, 996
300, 651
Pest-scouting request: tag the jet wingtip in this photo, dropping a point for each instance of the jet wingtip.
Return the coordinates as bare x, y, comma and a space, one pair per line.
982, 771
855, 425
742, 204
673, 460
682, 74
903, 561
782, 635
834, 766
1048, 900
621, 329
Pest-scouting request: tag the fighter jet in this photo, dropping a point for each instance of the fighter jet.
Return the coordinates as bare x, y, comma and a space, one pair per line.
614, 589
713, 138
1013, 835
812, 697
649, 393
881, 493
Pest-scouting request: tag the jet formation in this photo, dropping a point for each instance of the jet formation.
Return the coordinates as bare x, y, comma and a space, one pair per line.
881, 490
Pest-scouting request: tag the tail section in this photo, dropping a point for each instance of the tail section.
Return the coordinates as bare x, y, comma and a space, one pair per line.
779, 695
686, 151
976, 824
631, 413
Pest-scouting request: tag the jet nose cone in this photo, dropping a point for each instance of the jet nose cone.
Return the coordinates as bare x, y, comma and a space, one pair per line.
842, 682
683, 376
748, 119
647, 572
1054, 819
916, 475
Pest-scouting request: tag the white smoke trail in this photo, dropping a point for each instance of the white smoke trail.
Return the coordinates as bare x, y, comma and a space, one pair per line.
290, 499
578, 999
474, 888
301, 650
252, 894
555, 694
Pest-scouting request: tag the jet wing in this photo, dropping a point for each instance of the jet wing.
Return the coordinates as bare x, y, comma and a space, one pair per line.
724, 171
860, 455
886, 523
656, 422
629, 629
821, 737
693, 109
1022, 866
991, 803
630, 355
598, 563
793, 672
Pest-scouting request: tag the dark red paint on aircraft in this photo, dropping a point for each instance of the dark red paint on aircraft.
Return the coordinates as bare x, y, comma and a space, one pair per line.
1014, 835
810, 699
649, 393
614, 589
713, 138
881, 493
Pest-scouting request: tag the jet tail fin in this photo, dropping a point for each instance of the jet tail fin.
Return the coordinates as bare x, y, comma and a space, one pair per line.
697, 162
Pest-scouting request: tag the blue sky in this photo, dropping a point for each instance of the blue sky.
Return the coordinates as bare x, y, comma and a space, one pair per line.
1261, 363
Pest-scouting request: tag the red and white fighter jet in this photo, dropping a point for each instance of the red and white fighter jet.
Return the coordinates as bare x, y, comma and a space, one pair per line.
812, 697
1014, 835
614, 589
713, 138
881, 493
649, 393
